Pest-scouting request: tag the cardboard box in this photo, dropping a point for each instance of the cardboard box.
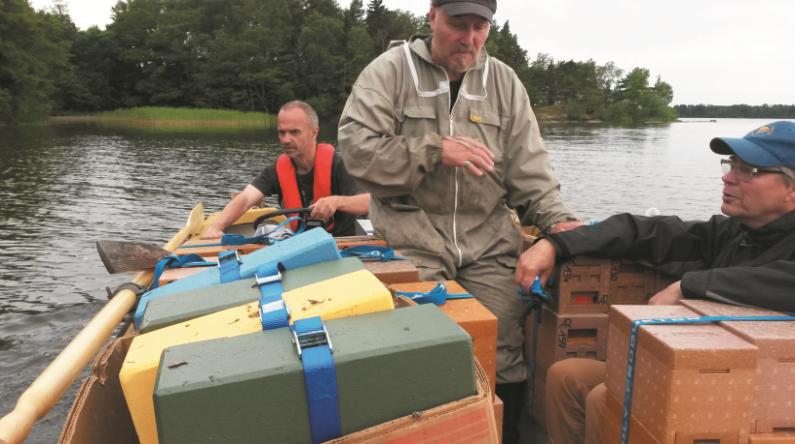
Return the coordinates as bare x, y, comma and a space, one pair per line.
99, 414
772, 438
590, 285
472, 316
611, 430
467, 421
499, 412
774, 392
393, 272
539, 396
690, 380
252, 388
561, 336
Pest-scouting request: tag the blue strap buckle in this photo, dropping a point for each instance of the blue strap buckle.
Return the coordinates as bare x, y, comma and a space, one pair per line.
273, 312
229, 265
268, 279
311, 338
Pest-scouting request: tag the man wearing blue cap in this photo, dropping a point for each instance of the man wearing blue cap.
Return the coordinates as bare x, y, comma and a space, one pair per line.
747, 258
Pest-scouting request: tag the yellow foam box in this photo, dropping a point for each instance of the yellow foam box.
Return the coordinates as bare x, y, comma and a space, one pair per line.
351, 294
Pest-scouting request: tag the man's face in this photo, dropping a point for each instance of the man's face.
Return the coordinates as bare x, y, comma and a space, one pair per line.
457, 41
297, 135
759, 201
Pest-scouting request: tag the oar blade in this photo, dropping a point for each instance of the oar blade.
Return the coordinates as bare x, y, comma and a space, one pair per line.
119, 257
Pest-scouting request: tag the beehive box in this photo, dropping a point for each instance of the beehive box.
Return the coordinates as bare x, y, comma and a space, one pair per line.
178, 307
347, 295
388, 365
774, 392
472, 316
590, 285
638, 433
690, 380
472, 420
573, 335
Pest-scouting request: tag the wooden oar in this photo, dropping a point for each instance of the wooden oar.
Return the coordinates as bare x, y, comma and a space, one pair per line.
118, 256
48, 388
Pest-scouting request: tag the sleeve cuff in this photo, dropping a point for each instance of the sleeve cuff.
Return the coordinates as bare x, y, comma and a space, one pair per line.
694, 284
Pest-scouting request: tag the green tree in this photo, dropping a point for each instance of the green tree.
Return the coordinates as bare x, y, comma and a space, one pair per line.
29, 60
320, 59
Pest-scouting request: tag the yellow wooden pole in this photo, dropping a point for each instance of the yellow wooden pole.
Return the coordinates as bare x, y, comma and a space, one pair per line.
53, 382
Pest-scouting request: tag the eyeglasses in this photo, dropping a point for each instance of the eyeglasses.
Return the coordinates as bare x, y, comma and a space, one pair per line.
744, 172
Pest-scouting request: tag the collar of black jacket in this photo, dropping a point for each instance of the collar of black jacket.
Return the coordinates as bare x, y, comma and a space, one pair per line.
782, 226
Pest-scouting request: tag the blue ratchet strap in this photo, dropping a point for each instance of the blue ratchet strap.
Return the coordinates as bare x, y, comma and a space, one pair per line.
371, 253
229, 265
239, 239
314, 348
535, 299
272, 310
174, 261
633, 345
438, 295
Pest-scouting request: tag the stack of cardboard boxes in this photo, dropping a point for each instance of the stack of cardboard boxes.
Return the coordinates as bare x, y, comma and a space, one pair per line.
574, 322
726, 382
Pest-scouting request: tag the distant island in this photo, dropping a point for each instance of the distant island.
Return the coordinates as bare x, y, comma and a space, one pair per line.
737, 111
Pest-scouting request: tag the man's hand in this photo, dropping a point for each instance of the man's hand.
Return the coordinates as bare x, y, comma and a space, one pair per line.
212, 233
670, 295
466, 152
539, 260
325, 208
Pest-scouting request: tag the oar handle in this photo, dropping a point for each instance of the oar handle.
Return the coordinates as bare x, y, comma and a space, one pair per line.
48, 388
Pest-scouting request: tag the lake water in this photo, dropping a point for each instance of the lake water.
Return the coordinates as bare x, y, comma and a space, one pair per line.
64, 187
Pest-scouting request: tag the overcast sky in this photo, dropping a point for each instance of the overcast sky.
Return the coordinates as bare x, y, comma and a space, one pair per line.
711, 51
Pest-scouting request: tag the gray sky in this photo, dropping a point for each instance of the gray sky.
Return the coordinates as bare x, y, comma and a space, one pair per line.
711, 51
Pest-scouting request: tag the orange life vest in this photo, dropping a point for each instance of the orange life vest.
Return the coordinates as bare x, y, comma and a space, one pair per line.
321, 187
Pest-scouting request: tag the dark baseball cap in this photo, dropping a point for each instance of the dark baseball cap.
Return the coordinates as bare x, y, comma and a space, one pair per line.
482, 8
771, 145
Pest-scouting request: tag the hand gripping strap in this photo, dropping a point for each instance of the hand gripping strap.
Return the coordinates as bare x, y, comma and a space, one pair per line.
633, 347
272, 311
229, 265
320, 376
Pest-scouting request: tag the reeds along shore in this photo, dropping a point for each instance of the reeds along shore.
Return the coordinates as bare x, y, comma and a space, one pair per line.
174, 118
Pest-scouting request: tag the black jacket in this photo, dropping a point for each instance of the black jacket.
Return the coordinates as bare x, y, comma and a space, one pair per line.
719, 259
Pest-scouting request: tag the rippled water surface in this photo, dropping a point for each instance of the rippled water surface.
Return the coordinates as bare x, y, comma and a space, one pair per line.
64, 187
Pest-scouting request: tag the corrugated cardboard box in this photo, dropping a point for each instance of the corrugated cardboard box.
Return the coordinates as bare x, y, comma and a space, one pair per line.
690, 380
774, 393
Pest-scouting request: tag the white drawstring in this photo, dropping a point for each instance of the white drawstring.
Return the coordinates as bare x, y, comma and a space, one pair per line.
444, 85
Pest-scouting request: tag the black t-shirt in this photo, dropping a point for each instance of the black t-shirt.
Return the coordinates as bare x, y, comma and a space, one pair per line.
342, 184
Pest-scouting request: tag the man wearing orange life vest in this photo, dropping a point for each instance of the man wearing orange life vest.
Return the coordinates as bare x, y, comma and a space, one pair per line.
307, 173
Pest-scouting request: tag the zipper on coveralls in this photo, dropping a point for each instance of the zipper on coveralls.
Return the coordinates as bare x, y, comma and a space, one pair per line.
455, 203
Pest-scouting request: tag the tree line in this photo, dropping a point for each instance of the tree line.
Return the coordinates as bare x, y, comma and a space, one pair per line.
747, 111
254, 55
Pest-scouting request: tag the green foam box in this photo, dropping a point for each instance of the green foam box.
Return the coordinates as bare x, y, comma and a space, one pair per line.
179, 307
251, 388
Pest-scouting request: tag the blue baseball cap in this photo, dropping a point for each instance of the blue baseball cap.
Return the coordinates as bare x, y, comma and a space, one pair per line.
771, 145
